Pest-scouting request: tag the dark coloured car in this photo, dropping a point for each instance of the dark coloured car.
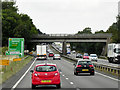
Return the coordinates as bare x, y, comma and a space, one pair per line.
79, 55
84, 66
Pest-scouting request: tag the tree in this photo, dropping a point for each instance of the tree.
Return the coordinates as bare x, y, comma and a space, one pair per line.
114, 30
89, 47
101, 31
87, 30
15, 25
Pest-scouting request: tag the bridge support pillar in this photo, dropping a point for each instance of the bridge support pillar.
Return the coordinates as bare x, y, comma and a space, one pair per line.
104, 53
64, 50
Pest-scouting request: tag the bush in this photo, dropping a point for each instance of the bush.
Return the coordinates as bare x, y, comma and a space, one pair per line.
4, 49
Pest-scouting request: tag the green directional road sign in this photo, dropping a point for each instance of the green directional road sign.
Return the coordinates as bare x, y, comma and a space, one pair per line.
16, 46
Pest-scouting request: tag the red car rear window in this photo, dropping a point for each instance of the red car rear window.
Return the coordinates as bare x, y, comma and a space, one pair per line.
45, 68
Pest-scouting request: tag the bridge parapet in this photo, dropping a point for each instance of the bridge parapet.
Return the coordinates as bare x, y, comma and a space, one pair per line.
69, 38
100, 35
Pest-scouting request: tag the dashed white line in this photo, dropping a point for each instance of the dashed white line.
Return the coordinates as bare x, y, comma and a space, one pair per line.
71, 83
66, 78
63, 75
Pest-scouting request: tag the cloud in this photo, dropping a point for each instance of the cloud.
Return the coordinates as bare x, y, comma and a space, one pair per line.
70, 16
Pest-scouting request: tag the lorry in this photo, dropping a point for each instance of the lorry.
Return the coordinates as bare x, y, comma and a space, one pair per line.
113, 53
41, 52
68, 51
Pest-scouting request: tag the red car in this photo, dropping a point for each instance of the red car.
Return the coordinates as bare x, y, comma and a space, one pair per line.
85, 56
45, 74
51, 54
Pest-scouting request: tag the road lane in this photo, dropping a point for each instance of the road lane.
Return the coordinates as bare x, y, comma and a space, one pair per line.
100, 61
26, 82
69, 80
85, 80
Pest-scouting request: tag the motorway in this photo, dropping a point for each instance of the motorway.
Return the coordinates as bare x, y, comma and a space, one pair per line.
100, 61
69, 80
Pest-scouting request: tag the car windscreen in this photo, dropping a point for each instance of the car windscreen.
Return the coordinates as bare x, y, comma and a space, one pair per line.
45, 68
50, 53
56, 55
84, 62
85, 55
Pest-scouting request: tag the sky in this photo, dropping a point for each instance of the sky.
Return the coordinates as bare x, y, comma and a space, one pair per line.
69, 16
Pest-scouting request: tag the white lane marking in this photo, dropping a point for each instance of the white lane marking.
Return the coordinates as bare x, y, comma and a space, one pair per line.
22, 76
67, 78
63, 75
68, 62
71, 83
100, 74
107, 76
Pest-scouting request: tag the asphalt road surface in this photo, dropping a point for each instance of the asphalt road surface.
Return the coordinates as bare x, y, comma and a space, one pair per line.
100, 61
69, 80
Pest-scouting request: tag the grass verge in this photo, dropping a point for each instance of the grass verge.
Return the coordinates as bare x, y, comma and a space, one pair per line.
13, 68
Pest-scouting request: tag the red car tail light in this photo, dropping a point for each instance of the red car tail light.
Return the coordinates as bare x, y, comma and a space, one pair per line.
79, 66
90, 65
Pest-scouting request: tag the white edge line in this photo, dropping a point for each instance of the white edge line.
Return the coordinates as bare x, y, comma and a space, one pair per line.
22, 76
107, 76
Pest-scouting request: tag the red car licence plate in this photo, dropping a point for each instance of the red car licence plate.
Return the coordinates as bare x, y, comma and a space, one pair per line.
44, 81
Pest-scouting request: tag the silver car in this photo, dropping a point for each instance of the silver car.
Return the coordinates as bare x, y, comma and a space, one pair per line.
56, 56
93, 57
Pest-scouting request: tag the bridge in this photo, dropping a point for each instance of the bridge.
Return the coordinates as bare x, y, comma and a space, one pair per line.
68, 38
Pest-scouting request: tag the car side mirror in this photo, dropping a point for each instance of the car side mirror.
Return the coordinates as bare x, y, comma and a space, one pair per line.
74, 64
31, 71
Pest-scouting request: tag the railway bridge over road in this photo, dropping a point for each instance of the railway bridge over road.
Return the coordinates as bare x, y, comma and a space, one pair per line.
68, 38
